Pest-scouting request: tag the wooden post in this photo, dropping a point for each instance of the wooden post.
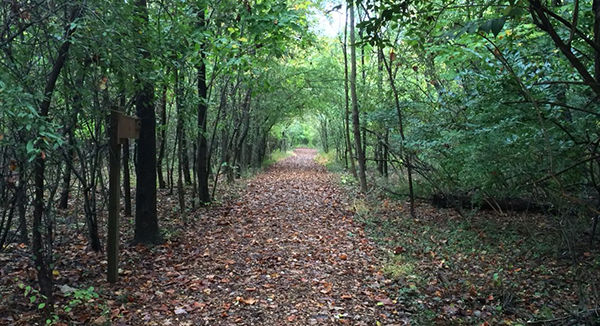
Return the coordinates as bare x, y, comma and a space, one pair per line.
121, 128
112, 243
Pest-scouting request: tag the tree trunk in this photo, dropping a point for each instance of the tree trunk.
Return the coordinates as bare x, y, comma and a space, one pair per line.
407, 156
378, 151
146, 220
162, 138
386, 153
22, 211
66, 187
349, 154
596, 12
185, 161
244, 133
203, 192
355, 114
194, 175
180, 148
43, 256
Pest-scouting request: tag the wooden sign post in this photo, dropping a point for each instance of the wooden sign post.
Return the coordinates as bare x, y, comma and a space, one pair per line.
121, 127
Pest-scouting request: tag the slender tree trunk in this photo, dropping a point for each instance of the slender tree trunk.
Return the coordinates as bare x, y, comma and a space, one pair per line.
349, 154
194, 174
126, 159
596, 12
180, 187
381, 144
171, 167
203, 192
346, 143
185, 161
22, 211
386, 153
355, 114
66, 182
146, 219
378, 149
162, 138
364, 86
244, 133
43, 256
225, 141
407, 156
180, 148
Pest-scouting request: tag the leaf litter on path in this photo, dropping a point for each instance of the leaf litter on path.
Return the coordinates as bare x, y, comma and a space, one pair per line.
286, 252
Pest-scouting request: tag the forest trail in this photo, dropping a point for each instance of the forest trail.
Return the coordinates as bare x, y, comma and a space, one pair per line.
285, 253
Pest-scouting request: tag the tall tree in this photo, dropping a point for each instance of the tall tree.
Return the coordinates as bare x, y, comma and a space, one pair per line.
146, 219
202, 161
347, 100
42, 226
355, 113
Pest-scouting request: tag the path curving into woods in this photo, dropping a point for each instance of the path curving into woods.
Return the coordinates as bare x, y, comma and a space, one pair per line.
285, 253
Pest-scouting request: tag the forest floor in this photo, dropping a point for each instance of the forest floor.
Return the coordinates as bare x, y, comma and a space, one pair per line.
286, 252
296, 248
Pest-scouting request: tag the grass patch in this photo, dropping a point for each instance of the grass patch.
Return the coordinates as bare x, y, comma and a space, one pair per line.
326, 159
330, 161
397, 267
275, 156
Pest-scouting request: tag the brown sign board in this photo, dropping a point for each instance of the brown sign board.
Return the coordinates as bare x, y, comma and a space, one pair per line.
128, 127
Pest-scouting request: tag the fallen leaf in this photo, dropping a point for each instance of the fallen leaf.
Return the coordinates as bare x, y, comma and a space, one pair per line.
326, 287
249, 301
180, 311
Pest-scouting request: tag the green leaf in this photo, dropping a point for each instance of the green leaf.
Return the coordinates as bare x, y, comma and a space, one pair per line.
29, 146
486, 27
41, 305
497, 24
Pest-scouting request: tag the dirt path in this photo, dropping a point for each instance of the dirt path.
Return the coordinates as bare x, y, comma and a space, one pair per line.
285, 253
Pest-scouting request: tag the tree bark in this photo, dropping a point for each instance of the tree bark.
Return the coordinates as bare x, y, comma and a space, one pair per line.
185, 161
386, 153
203, 192
355, 114
146, 219
348, 154
66, 187
180, 149
244, 133
162, 138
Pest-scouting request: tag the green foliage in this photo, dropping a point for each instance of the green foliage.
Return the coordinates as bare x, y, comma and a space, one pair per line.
276, 156
488, 101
